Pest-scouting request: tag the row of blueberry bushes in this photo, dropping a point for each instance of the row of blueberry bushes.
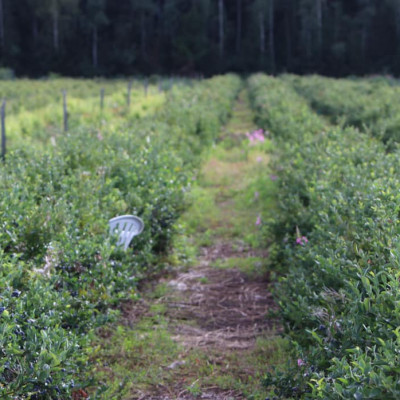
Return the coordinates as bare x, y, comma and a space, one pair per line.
370, 105
61, 275
336, 251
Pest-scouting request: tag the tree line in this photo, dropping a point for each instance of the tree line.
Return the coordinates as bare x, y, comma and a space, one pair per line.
123, 37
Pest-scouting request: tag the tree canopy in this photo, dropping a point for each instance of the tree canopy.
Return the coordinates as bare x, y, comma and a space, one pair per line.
108, 37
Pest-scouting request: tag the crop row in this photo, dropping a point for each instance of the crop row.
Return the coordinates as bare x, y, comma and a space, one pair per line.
29, 95
337, 250
370, 105
34, 109
61, 275
43, 126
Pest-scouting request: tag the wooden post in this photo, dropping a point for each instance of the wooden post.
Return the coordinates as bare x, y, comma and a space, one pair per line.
101, 99
3, 130
65, 110
128, 100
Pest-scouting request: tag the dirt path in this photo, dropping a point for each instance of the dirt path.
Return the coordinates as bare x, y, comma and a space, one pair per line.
229, 309
205, 331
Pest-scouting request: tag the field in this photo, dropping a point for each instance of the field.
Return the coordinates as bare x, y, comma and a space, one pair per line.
269, 263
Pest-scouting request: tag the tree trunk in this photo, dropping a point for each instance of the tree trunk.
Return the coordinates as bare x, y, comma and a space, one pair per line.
288, 39
308, 44
367, 16
336, 24
318, 4
55, 26
1, 24
238, 25
143, 34
95, 47
221, 28
262, 34
364, 42
35, 32
271, 35
397, 23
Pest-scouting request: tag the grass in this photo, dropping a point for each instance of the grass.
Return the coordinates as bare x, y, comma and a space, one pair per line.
240, 372
141, 359
231, 192
253, 267
133, 360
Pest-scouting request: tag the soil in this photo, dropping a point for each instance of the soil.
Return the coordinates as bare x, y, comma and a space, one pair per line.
213, 309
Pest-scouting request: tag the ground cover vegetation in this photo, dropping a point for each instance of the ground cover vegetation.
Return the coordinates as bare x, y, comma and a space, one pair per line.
326, 205
35, 111
336, 246
61, 275
368, 104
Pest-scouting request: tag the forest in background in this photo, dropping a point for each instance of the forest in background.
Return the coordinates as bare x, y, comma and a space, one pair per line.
188, 37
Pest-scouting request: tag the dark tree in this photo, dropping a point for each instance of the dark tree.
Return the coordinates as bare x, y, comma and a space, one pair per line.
108, 37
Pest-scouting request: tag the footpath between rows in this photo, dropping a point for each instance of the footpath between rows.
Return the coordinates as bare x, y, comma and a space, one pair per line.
205, 330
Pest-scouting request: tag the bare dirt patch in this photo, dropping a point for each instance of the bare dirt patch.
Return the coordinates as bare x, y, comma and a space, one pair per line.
219, 312
184, 395
225, 308
229, 311
223, 250
209, 306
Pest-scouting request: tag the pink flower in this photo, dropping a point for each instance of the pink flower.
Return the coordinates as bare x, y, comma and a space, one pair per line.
259, 135
256, 136
300, 363
302, 241
259, 159
273, 177
258, 221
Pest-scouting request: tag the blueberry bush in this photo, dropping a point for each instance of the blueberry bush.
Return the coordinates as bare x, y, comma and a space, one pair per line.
336, 251
61, 275
370, 105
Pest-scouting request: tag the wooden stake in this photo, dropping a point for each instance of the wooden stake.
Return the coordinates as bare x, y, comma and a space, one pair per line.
129, 93
102, 99
3, 130
65, 110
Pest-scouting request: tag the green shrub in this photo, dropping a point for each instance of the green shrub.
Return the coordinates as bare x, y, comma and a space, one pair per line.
337, 251
61, 274
370, 105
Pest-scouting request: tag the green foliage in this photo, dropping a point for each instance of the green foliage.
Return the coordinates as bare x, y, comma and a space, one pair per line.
105, 37
370, 105
337, 250
61, 275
